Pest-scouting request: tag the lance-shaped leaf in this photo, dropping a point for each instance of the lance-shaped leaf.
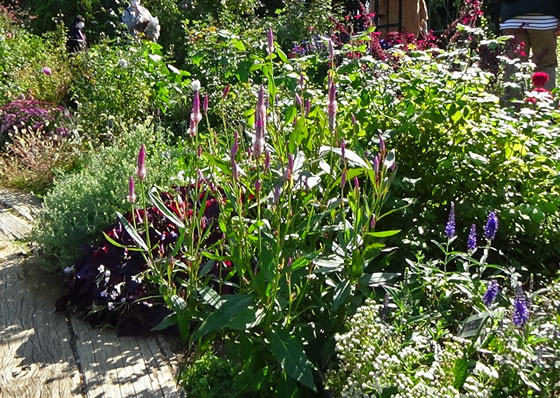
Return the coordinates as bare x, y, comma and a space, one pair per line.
289, 353
132, 232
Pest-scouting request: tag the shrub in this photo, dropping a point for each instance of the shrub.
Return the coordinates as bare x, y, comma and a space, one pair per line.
32, 160
37, 67
80, 205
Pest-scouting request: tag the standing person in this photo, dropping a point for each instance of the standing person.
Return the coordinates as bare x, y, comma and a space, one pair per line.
535, 24
139, 20
76, 36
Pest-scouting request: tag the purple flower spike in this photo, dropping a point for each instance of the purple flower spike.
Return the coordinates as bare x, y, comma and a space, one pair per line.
356, 183
277, 194
307, 105
450, 226
520, 308
266, 160
235, 146
47, 71
234, 170
225, 92
205, 104
376, 165
331, 104
131, 194
270, 41
298, 100
290, 167
381, 144
471, 241
491, 226
491, 293
141, 164
372, 222
343, 179
196, 116
260, 124
257, 186
301, 82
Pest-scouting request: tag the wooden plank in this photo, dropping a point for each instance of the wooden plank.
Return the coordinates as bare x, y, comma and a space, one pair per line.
123, 367
36, 360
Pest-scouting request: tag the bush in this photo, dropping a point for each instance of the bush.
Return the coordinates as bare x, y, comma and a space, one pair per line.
37, 67
80, 205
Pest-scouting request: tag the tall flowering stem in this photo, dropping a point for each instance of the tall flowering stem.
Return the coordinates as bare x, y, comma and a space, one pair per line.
491, 226
331, 104
520, 308
450, 226
260, 125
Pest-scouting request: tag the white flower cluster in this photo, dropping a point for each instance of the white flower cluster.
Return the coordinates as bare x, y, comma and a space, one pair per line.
375, 358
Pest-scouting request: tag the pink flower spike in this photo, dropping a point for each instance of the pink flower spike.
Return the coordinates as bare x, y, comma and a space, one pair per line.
331, 104
298, 100
141, 164
290, 168
225, 92
257, 186
331, 50
307, 105
234, 170
270, 41
205, 104
47, 71
381, 144
343, 179
266, 160
235, 146
131, 194
276, 194
372, 222
356, 183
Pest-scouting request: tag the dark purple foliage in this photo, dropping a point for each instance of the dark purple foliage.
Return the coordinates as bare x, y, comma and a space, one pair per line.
109, 287
491, 293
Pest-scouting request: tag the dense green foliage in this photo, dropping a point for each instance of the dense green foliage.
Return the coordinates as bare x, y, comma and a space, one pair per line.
312, 179
82, 203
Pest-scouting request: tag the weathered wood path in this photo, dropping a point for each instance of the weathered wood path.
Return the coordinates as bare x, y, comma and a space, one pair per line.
48, 355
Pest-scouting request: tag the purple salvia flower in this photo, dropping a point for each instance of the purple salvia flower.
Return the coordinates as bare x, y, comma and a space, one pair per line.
298, 100
131, 194
141, 164
225, 92
450, 226
276, 194
270, 41
520, 308
331, 104
471, 241
491, 293
205, 104
307, 105
491, 226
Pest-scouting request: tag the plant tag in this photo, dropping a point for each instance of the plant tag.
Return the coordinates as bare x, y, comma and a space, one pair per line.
473, 324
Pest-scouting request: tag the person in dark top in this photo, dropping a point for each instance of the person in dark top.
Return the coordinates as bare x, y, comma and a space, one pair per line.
535, 24
76, 37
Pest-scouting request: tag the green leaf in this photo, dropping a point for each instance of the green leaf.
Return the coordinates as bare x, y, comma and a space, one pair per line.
383, 234
460, 371
238, 44
117, 244
341, 293
170, 215
132, 232
377, 278
289, 353
168, 321
281, 54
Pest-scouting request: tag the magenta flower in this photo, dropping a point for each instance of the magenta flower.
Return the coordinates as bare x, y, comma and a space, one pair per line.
131, 194
141, 164
290, 168
298, 100
276, 194
47, 71
225, 92
356, 183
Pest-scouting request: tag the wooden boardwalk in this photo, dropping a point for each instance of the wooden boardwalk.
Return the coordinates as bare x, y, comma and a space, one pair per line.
48, 355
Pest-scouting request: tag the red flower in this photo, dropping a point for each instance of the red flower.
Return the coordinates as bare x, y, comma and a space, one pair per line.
540, 79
